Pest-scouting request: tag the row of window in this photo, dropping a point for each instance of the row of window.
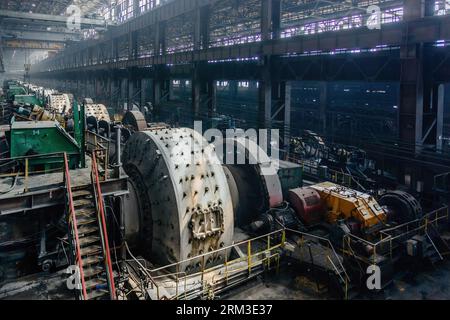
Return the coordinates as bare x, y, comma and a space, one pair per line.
222, 84
124, 9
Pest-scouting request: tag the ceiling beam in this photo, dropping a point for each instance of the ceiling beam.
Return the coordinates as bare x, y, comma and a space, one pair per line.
40, 36
84, 22
32, 45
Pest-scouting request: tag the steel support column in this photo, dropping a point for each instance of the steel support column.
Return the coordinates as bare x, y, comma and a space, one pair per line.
160, 38
411, 82
212, 97
440, 118
161, 84
136, 9
323, 100
132, 45
196, 88
287, 117
265, 98
266, 19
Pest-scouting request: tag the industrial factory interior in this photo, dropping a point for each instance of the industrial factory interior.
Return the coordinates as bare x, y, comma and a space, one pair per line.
228, 150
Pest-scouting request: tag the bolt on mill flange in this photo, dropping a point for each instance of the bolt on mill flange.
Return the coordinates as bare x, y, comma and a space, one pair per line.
184, 205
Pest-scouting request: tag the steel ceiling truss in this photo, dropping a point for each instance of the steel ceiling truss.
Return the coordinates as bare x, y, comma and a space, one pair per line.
235, 29
52, 7
27, 21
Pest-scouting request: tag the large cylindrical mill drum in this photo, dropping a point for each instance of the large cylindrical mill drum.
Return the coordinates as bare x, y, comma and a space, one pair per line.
184, 203
252, 178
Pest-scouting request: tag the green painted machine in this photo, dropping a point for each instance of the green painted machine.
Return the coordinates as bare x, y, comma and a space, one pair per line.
27, 99
14, 90
290, 175
30, 138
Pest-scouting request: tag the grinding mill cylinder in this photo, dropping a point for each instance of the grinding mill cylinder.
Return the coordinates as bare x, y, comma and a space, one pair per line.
252, 178
184, 203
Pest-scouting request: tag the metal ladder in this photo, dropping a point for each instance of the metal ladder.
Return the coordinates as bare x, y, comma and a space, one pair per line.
88, 238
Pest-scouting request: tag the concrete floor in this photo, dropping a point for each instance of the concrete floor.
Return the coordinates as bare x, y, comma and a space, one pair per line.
40, 286
286, 285
432, 284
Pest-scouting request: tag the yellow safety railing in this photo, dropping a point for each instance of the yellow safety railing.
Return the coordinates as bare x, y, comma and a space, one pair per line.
257, 255
20, 167
389, 239
335, 176
99, 145
305, 238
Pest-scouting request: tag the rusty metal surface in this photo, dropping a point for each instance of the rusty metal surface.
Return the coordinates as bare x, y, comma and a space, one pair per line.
253, 180
265, 167
185, 203
135, 119
98, 111
59, 102
53, 194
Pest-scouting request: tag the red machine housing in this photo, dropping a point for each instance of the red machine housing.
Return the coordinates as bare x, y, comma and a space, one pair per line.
307, 204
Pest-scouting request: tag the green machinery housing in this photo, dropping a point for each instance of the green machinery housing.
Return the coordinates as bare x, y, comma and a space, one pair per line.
33, 138
16, 92
27, 99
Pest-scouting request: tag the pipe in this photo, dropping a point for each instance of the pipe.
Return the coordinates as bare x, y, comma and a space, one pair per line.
118, 145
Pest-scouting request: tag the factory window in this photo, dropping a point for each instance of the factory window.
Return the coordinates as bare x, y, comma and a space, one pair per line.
90, 34
222, 83
294, 20
145, 5
107, 12
392, 15
441, 7
125, 8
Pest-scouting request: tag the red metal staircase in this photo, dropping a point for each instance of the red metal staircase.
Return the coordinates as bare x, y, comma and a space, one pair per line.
89, 238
